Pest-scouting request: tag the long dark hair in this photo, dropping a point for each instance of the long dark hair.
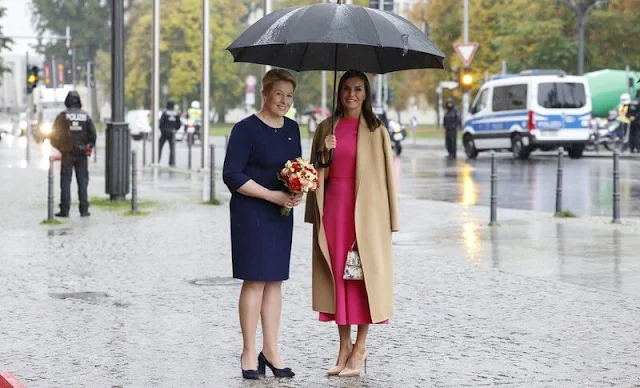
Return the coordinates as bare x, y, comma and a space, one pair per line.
367, 110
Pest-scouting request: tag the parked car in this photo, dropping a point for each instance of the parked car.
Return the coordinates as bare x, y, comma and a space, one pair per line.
6, 125
139, 122
45, 121
533, 110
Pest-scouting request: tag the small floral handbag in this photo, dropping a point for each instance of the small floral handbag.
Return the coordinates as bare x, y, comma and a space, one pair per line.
353, 266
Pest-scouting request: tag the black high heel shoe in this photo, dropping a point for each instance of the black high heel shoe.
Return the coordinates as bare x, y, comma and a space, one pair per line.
249, 374
262, 362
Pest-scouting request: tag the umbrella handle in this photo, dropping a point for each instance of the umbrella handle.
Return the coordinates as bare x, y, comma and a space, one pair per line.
321, 162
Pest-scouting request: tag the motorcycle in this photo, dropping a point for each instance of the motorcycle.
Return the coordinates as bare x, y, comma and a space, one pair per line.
606, 132
398, 133
193, 130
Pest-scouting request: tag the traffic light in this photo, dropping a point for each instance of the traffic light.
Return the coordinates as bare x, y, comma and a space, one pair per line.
32, 78
390, 96
466, 80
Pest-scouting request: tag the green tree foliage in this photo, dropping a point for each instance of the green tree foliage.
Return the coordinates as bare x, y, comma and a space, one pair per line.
4, 42
87, 20
528, 34
181, 53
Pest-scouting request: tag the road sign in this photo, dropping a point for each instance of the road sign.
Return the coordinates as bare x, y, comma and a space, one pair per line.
251, 80
466, 52
449, 84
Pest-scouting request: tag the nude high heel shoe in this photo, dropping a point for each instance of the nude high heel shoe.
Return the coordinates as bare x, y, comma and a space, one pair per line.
336, 369
348, 372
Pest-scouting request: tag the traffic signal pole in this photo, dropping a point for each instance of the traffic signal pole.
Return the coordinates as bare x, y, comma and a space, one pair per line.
466, 97
28, 116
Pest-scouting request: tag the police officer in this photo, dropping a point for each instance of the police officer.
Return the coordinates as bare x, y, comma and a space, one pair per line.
624, 119
169, 124
74, 136
451, 124
195, 115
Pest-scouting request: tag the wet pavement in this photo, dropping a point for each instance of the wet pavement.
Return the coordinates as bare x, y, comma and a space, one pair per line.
149, 301
527, 185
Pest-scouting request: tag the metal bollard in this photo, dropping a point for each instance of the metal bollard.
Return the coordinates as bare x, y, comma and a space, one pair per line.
134, 182
144, 152
616, 187
494, 190
50, 194
189, 144
212, 173
28, 134
226, 142
559, 182
95, 153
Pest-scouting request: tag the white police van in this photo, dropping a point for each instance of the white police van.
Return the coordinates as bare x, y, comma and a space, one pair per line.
536, 109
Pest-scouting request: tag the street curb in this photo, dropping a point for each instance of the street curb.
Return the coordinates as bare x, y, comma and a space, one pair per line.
8, 380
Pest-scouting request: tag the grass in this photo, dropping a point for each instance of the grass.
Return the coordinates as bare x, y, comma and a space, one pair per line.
117, 205
213, 202
565, 214
51, 222
422, 131
139, 213
106, 203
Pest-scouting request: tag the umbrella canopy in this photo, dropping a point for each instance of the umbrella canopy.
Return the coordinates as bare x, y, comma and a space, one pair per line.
330, 36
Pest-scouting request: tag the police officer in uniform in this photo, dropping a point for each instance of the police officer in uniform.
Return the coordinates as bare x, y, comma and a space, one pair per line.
169, 124
74, 136
451, 124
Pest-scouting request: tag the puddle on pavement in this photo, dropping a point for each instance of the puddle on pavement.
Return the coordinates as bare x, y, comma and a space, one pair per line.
85, 295
58, 232
215, 281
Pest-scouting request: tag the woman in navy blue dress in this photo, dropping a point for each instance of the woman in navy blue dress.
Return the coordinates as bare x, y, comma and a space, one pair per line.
261, 236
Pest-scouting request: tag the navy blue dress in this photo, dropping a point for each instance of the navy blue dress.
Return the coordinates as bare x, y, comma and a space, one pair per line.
260, 235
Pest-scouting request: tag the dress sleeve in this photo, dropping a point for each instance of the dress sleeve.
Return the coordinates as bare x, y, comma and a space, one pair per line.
236, 157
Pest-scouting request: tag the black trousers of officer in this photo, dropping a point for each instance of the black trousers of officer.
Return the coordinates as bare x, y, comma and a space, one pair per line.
80, 165
171, 138
451, 141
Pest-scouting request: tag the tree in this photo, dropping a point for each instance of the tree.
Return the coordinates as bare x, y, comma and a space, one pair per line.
86, 19
4, 43
181, 53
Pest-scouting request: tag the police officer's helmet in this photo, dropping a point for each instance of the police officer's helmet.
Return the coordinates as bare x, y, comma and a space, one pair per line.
171, 105
625, 98
195, 104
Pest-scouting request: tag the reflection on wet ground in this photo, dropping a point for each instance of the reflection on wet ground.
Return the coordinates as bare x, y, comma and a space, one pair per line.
593, 254
530, 184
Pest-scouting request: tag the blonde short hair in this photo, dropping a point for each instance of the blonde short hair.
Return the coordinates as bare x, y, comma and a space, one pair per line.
276, 75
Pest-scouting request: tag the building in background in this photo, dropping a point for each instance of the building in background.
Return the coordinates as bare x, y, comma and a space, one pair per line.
13, 88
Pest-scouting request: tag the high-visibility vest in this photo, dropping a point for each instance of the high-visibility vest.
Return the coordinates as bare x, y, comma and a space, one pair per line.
195, 114
622, 114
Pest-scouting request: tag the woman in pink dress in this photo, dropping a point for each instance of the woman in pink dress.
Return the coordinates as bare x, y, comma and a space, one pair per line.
355, 206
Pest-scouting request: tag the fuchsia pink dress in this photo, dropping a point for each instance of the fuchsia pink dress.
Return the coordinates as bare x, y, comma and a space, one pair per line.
352, 305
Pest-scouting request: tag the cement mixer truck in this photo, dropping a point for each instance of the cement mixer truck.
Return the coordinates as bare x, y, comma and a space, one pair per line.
606, 87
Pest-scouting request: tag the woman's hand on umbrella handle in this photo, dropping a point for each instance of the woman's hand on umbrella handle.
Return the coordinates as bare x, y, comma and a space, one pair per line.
330, 142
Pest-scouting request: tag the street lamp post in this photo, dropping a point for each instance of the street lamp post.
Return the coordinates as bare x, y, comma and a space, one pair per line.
582, 11
206, 34
118, 140
155, 98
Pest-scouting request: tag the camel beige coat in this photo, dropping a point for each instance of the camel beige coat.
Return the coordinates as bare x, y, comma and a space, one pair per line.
375, 219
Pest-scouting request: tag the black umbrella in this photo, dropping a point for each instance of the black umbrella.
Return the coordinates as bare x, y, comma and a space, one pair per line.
330, 36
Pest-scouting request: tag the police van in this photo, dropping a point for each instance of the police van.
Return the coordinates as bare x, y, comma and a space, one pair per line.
533, 110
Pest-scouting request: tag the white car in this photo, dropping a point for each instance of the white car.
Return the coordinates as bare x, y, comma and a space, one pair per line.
6, 125
139, 123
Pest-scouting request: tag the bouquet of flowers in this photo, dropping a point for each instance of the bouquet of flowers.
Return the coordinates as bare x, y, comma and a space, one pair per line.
300, 177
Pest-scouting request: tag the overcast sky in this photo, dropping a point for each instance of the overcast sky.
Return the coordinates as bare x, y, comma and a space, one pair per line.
18, 22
